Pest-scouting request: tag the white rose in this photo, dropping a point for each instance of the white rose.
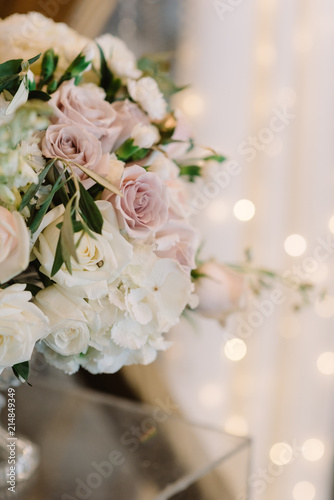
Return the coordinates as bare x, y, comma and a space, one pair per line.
71, 320
14, 245
26, 35
22, 324
146, 93
144, 136
120, 59
101, 259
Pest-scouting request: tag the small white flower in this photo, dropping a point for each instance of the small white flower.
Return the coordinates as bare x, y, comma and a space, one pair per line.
89, 52
146, 93
32, 154
120, 59
144, 136
163, 166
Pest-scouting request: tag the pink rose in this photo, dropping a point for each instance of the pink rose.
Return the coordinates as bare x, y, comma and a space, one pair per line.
85, 106
128, 115
14, 245
144, 205
221, 291
75, 144
178, 240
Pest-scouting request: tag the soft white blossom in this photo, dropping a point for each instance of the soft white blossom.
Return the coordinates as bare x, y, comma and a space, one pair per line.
120, 59
145, 92
144, 136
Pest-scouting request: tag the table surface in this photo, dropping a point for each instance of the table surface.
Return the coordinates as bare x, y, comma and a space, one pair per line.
96, 446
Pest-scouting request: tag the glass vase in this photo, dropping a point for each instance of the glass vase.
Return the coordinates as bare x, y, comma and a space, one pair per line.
19, 457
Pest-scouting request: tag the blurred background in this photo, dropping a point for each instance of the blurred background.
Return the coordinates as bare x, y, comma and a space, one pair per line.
262, 93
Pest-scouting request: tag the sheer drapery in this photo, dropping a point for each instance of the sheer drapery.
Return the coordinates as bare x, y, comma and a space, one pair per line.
262, 93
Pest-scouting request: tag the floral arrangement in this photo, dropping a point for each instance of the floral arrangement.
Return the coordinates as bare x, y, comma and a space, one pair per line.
97, 248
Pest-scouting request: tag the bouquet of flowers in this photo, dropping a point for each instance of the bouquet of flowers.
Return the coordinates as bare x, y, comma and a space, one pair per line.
97, 250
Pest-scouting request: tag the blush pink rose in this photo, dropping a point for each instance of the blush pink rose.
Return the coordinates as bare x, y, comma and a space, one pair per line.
85, 106
143, 209
128, 115
14, 245
178, 240
221, 291
75, 144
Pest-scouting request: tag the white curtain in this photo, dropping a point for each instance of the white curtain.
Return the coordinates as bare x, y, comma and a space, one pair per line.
262, 78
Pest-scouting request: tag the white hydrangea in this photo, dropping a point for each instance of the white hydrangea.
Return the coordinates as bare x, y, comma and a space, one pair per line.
155, 292
145, 92
15, 172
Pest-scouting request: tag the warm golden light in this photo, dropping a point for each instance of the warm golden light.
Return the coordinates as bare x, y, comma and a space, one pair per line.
281, 453
244, 210
313, 449
303, 491
235, 349
295, 245
325, 363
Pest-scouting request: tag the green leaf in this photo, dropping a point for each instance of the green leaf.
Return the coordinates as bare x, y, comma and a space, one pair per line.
129, 152
190, 170
77, 226
140, 154
35, 187
49, 65
90, 211
44, 207
12, 67
31, 85
108, 81
75, 69
52, 87
38, 94
99, 179
21, 371
58, 261
68, 248
34, 59
217, 158
9, 83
